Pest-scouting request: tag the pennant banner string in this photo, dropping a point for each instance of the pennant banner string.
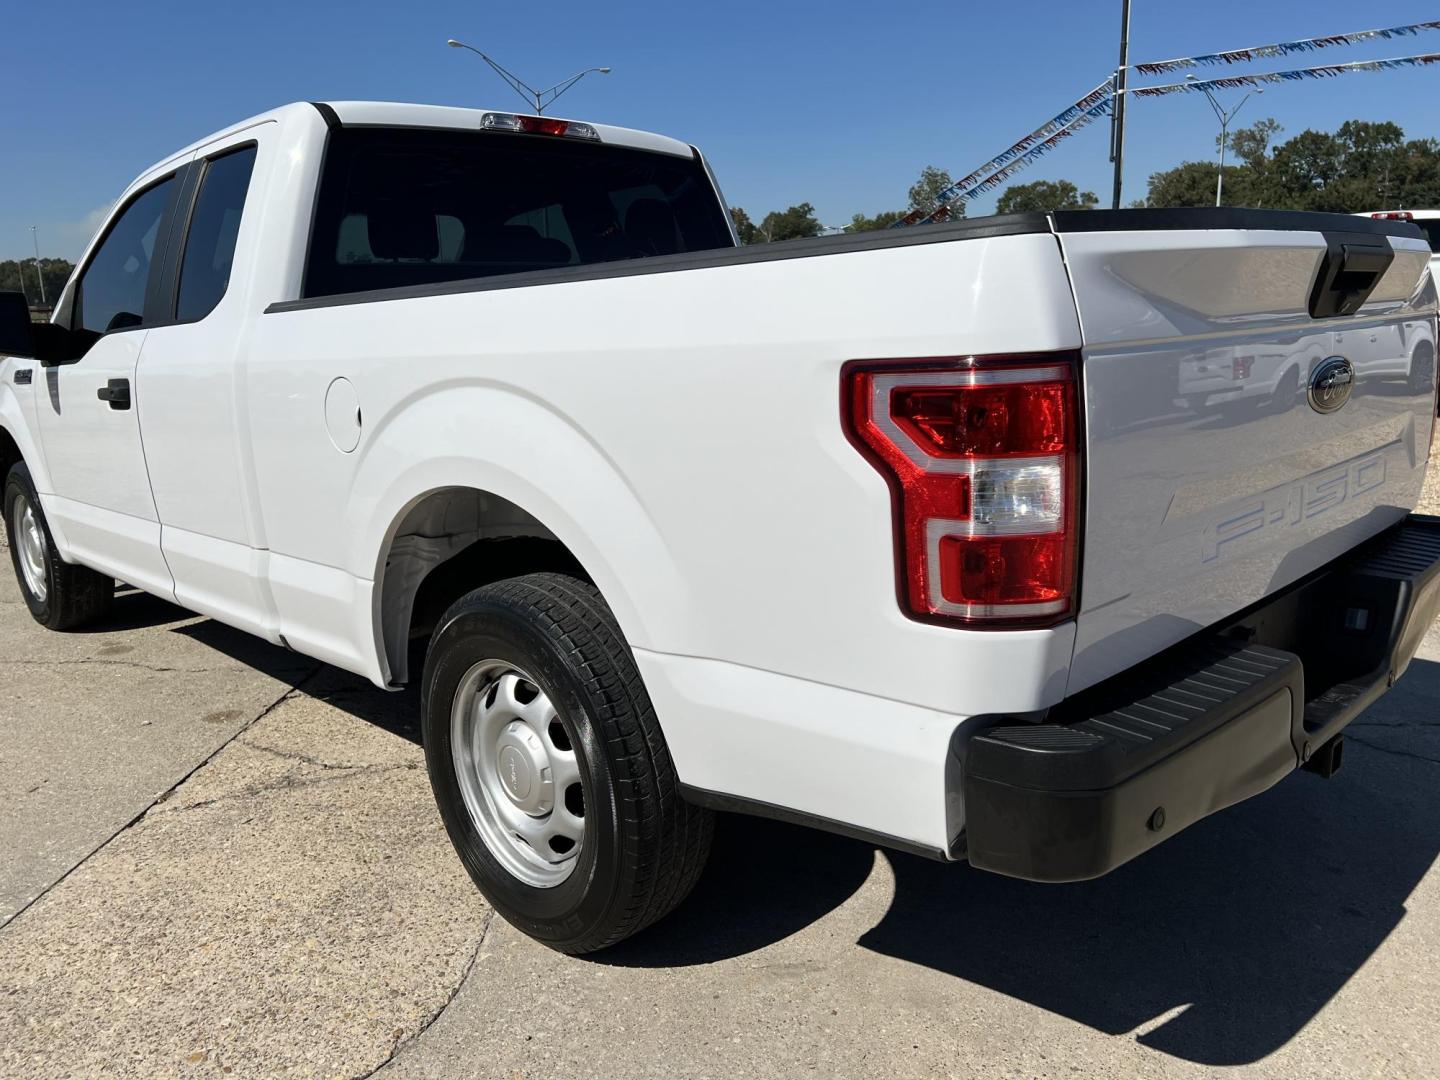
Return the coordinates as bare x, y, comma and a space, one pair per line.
995, 179
1098, 103
1283, 48
1101, 93
1328, 71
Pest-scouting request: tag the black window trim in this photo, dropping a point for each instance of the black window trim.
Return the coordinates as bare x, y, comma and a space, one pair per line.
332, 125
174, 266
158, 257
1059, 222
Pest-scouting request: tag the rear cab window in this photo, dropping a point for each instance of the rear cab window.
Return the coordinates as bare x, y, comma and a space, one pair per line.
403, 206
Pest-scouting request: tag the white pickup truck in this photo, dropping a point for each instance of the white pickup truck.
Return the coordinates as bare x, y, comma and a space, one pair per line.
905, 535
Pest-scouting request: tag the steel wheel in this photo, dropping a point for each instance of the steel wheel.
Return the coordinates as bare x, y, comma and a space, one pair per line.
549, 767
29, 540
518, 773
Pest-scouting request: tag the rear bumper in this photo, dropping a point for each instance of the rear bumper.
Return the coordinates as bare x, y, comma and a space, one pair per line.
1219, 718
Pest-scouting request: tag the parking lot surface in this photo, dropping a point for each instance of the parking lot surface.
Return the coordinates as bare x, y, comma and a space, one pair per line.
222, 859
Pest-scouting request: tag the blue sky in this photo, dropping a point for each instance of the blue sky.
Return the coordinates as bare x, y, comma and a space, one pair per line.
839, 103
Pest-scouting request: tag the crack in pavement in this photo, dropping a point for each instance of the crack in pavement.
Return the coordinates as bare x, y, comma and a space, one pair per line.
121, 663
293, 689
409, 1040
296, 755
289, 782
1396, 753
1417, 725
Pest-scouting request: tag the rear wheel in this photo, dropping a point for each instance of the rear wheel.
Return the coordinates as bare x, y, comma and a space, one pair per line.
59, 595
549, 768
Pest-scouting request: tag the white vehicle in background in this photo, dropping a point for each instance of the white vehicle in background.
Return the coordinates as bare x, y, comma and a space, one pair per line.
1420, 355
1235, 377
897, 534
1427, 221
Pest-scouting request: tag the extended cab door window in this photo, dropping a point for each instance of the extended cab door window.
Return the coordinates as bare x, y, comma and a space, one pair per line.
214, 228
111, 292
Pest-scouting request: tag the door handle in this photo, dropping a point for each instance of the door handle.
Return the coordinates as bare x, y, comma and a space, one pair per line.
116, 392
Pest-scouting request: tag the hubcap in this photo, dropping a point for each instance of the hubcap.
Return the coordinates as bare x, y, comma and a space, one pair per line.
29, 539
518, 773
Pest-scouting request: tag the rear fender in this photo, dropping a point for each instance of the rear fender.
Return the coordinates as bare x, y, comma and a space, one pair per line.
499, 441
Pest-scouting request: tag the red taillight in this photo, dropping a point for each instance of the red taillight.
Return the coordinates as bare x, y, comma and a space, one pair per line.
1240, 367
982, 456
1394, 215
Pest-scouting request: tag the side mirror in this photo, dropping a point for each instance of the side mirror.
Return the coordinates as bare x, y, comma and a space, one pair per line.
46, 342
17, 335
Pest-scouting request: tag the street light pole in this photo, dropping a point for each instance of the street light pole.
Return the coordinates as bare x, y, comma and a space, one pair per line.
1220, 172
541, 99
35, 238
1224, 118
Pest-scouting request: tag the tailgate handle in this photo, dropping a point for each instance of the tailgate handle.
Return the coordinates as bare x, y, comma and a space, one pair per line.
1351, 267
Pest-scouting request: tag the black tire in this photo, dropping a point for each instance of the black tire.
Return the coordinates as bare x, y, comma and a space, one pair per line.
1286, 392
643, 846
1422, 369
74, 595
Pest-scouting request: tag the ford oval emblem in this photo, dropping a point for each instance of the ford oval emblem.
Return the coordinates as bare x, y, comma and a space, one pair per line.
1330, 384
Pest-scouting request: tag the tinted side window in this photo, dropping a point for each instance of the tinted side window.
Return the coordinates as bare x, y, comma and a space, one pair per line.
111, 293
214, 227
402, 207
1431, 228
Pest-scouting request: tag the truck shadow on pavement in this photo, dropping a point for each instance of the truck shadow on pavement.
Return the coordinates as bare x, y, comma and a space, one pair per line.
1218, 947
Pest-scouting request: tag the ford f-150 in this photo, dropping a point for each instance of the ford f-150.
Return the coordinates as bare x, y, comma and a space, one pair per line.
923, 535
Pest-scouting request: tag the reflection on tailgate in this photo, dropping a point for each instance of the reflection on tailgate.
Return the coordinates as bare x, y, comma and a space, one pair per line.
1213, 478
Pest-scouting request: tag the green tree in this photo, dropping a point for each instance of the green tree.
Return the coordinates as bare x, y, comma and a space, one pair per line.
1413, 178
1303, 167
1362, 165
746, 229
924, 194
882, 220
20, 277
1251, 145
1042, 196
793, 223
1193, 184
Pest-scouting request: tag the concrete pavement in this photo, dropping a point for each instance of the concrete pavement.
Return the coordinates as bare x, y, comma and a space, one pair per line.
232, 867
94, 726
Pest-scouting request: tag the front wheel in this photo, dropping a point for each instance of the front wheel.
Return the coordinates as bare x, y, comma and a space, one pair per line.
59, 595
549, 767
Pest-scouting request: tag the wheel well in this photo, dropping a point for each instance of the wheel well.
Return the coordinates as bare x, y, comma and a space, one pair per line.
9, 454
451, 541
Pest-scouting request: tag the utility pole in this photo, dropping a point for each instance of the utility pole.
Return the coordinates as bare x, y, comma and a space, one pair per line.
1117, 104
35, 237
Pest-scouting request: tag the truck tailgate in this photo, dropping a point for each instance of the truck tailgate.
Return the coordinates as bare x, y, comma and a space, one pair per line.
1213, 478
